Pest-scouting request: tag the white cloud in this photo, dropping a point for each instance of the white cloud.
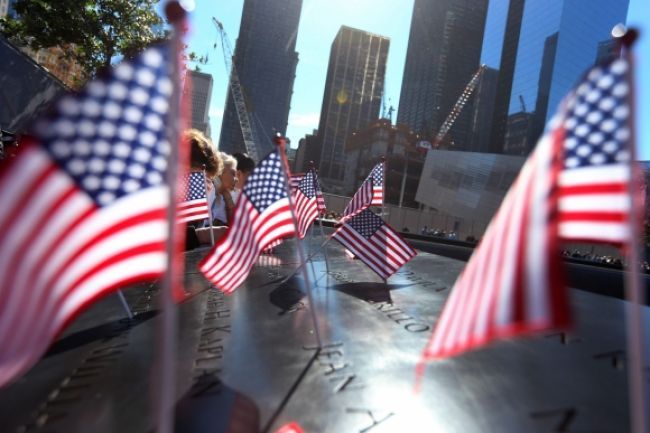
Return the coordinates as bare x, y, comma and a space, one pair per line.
304, 120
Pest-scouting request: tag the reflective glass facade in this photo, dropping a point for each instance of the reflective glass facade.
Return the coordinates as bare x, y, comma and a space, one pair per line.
266, 61
352, 98
443, 53
556, 41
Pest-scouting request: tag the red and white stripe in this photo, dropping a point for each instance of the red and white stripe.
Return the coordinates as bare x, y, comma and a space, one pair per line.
228, 263
511, 284
193, 210
68, 252
274, 244
385, 252
306, 211
360, 201
294, 180
320, 200
377, 196
594, 203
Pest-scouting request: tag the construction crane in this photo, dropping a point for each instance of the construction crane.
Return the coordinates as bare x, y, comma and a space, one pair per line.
458, 107
237, 93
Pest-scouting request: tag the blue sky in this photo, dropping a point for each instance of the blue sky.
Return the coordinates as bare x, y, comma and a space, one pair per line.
321, 20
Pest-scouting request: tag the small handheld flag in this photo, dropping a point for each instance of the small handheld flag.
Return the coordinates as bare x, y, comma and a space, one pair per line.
374, 242
84, 206
573, 186
370, 193
194, 204
262, 215
306, 203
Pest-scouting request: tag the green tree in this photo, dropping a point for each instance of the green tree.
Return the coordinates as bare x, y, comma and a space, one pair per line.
91, 32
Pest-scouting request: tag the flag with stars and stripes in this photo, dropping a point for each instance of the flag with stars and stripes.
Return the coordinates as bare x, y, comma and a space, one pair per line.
320, 199
294, 180
594, 201
263, 215
194, 203
375, 243
83, 206
306, 203
370, 193
573, 187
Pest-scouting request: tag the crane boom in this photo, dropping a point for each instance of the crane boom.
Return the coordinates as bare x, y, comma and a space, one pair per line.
458, 106
237, 93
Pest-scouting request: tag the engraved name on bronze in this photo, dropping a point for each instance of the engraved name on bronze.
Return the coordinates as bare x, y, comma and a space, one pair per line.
418, 279
72, 389
215, 323
375, 420
336, 369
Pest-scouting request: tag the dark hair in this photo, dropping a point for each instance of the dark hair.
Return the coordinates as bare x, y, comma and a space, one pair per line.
244, 162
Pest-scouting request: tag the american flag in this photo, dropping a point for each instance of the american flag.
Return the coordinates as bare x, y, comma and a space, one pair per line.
194, 204
375, 243
370, 193
305, 202
294, 180
572, 187
83, 206
594, 202
270, 248
320, 200
262, 215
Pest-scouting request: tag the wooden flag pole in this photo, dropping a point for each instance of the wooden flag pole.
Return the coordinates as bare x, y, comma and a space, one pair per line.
634, 292
166, 395
280, 142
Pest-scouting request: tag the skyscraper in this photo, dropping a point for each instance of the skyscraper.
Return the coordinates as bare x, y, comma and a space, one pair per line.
443, 53
7, 8
266, 59
546, 48
201, 88
482, 110
508, 51
352, 99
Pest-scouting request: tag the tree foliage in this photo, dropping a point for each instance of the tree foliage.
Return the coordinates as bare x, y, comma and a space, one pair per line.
91, 32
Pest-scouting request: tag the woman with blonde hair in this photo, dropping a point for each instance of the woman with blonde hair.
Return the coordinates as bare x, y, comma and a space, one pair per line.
203, 156
223, 206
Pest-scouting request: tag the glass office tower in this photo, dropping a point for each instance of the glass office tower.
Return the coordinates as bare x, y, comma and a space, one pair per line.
556, 41
443, 53
266, 60
352, 98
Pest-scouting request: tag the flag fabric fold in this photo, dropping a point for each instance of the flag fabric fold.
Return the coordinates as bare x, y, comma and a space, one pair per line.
375, 243
193, 205
320, 199
370, 193
262, 216
572, 187
84, 206
306, 201
294, 180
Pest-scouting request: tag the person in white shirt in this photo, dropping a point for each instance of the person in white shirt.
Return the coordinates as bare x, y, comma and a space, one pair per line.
223, 205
